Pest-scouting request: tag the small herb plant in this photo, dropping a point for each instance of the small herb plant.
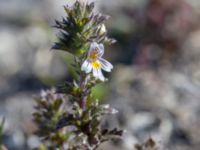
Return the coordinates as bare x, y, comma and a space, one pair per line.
69, 117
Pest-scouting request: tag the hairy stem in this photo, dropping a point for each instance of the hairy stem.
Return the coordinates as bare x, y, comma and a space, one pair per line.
83, 83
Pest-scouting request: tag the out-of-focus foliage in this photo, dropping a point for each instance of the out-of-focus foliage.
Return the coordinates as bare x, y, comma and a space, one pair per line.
150, 144
50, 109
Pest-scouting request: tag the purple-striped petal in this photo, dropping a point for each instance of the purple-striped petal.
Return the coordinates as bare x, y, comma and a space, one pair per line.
106, 65
93, 45
101, 50
97, 73
86, 66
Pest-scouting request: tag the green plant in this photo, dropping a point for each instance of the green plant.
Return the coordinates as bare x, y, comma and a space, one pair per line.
69, 117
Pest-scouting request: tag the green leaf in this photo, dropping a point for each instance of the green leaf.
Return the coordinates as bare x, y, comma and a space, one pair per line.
57, 104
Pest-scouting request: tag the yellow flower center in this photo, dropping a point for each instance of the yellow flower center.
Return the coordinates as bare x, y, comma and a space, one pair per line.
96, 64
94, 54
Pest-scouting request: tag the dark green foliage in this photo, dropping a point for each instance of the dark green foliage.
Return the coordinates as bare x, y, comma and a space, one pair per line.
80, 27
50, 109
52, 117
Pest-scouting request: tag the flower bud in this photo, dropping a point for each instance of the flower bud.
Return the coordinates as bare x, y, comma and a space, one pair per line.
102, 29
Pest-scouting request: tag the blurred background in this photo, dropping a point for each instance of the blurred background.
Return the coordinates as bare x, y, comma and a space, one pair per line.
156, 79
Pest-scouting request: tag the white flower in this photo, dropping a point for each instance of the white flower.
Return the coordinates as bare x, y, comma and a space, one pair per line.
94, 62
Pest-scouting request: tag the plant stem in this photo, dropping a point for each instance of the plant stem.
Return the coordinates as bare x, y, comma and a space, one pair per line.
83, 83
